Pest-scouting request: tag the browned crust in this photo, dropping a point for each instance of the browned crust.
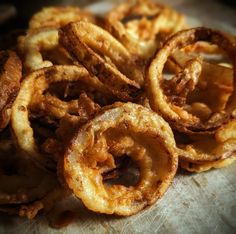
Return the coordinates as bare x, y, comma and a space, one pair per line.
121, 86
177, 42
67, 175
10, 75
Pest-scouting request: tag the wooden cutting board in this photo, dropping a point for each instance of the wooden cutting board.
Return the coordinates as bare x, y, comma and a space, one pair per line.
195, 203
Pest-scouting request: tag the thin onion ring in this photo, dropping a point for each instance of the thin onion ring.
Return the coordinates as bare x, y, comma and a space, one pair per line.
175, 115
210, 151
86, 42
144, 17
38, 40
20, 111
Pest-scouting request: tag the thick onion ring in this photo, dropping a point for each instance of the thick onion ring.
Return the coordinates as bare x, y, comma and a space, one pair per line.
149, 142
87, 42
178, 117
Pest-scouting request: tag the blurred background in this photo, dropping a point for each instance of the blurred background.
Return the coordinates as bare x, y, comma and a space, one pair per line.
16, 13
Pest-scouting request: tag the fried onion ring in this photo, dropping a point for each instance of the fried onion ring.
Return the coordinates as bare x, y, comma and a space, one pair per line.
33, 102
121, 129
10, 76
40, 48
46, 203
201, 167
176, 115
215, 83
57, 17
88, 43
203, 153
137, 24
30, 210
22, 181
26, 187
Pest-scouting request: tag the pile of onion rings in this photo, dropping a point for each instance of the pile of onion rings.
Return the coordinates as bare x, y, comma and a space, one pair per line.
104, 109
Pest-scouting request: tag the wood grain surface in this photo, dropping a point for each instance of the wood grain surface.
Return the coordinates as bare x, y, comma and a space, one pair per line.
195, 203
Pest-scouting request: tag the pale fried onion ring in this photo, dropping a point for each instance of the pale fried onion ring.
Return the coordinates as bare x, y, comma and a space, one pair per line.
59, 16
177, 116
121, 129
88, 43
145, 20
32, 90
35, 43
10, 76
